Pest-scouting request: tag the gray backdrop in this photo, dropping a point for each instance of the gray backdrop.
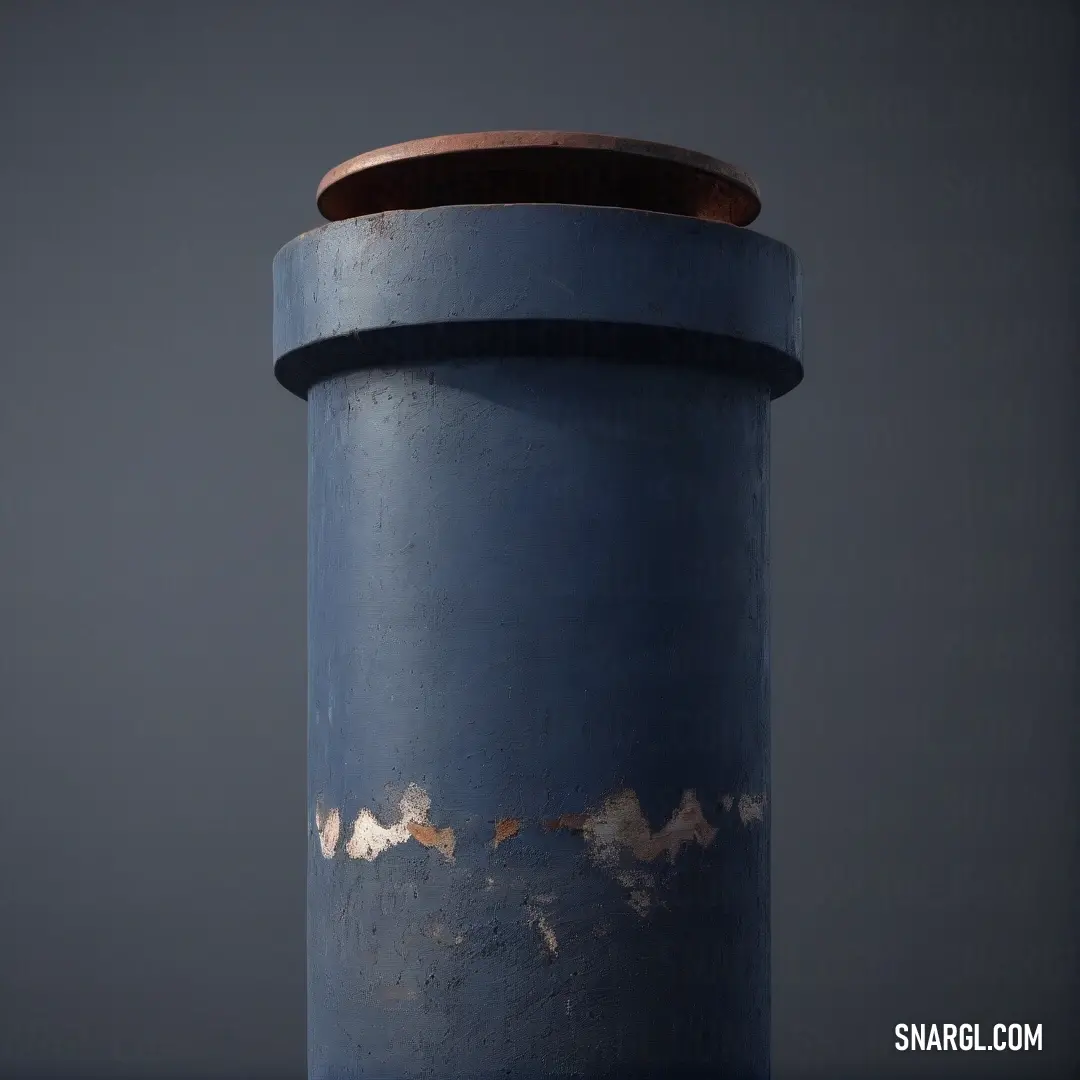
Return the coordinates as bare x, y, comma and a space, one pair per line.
920, 157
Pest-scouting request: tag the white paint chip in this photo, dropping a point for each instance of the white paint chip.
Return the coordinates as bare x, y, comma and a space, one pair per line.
537, 919
370, 838
328, 826
640, 890
751, 808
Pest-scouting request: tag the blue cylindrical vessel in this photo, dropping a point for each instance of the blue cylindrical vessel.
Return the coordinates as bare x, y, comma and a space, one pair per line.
538, 649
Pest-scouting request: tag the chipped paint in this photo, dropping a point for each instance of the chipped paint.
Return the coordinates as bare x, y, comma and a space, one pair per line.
538, 920
751, 808
620, 827
640, 890
620, 824
328, 826
370, 838
505, 829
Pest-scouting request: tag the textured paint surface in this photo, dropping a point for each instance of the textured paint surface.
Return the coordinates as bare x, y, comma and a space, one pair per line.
538, 596
526, 273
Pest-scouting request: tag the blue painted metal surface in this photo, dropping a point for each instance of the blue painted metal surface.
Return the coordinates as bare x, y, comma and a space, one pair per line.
538, 726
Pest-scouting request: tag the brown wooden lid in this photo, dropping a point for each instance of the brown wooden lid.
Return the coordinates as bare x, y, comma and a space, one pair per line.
539, 167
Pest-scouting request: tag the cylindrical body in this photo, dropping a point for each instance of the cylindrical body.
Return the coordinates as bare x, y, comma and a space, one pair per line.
538, 713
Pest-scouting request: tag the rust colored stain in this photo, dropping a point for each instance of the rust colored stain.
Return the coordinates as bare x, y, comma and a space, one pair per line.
440, 839
506, 829
569, 822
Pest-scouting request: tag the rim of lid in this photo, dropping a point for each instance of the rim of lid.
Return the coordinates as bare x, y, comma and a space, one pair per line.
500, 167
